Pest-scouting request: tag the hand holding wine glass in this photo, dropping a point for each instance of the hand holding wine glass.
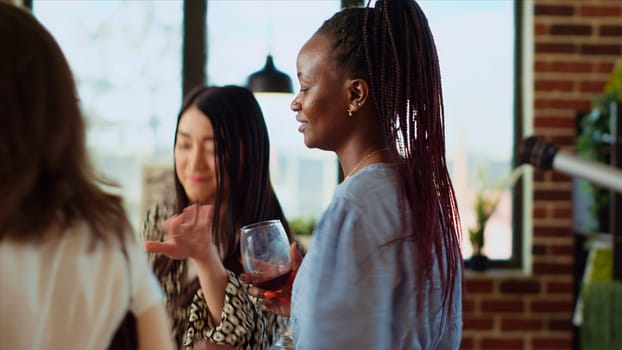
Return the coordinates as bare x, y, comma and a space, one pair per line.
277, 302
267, 261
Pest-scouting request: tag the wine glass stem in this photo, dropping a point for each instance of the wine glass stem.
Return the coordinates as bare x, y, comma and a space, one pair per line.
284, 340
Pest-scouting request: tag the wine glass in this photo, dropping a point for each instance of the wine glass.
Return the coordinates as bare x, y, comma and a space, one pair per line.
265, 255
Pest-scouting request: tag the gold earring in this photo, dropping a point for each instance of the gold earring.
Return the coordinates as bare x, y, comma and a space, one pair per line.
350, 110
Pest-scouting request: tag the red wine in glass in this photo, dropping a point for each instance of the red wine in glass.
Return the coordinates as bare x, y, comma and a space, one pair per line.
265, 252
275, 284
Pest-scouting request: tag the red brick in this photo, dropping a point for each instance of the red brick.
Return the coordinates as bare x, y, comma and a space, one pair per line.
468, 305
553, 85
548, 231
467, 343
574, 104
591, 86
600, 49
479, 286
477, 323
571, 29
541, 268
557, 122
502, 344
541, 29
551, 343
552, 195
540, 175
600, 11
559, 177
608, 30
562, 141
562, 213
563, 250
539, 249
506, 305
549, 306
555, 48
605, 67
540, 66
539, 213
560, 325
573, 67
519, 287
553, 10
522, 324
558, 287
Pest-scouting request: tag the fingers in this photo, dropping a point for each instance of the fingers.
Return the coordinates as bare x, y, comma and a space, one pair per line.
171, 224
195, 218
296, 256
197, 214
278, 305
167, 248
251, 278
275, 302
256, 292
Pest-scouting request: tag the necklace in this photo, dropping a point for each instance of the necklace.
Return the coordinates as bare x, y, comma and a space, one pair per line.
362, 160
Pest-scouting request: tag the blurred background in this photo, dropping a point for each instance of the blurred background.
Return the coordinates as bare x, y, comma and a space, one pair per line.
128, 60
510, 69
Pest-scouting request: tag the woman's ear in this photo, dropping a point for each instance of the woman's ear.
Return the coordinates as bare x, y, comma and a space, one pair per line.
359, 92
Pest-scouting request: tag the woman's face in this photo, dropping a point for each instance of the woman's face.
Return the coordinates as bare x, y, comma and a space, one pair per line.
195, 158
322, 102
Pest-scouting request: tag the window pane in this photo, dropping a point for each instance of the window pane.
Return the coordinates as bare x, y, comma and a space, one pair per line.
304, 179
126, 59
475, 42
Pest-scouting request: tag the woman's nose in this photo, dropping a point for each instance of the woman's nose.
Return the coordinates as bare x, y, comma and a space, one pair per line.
295, 105
197, 159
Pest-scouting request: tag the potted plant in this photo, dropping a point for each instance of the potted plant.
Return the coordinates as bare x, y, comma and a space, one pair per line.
593, 142
485, 204
302, 227
484, 207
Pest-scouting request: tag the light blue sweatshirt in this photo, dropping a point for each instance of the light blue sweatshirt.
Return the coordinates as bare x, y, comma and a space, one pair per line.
354, 290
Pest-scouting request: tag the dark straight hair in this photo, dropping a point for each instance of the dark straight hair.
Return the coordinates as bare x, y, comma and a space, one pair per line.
242, 149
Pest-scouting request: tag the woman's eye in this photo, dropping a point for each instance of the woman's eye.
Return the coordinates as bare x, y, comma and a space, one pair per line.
183, 146
210, 147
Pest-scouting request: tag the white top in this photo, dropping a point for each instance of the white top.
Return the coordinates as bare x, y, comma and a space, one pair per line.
61, 296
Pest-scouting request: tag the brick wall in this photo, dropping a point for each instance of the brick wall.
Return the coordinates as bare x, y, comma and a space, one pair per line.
576, 46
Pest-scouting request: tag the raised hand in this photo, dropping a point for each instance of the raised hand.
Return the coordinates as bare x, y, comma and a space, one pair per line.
187, 235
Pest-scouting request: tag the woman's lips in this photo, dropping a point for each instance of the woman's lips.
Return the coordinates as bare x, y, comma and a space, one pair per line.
303, 123
197, 179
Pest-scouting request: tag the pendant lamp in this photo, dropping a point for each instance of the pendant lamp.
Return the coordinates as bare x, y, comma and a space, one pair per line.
269, 79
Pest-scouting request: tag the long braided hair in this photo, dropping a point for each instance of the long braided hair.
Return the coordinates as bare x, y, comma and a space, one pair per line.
391, 46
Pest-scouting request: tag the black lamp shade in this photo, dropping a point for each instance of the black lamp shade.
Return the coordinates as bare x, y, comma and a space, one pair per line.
269, 79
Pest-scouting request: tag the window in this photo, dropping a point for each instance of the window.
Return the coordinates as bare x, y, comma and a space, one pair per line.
303, 178
125, 56
476, 46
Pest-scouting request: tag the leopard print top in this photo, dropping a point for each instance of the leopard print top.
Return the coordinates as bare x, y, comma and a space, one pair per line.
244, 324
